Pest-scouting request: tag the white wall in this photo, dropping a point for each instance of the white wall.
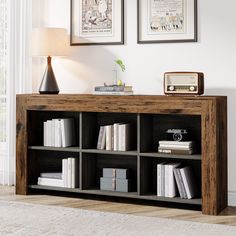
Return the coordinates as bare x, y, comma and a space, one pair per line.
214, 54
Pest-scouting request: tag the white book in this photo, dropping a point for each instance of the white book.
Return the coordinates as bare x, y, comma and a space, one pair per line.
160, 179
166, 176
188, 180
124, 137
101, 138
53, 136
69, 173
57, 133
50, 182
65, 172
172, 184
174, 147
68, 132
112, 93
177, 143
51, 175
49, 133
109, 137
45, 133
116, 136
75, 174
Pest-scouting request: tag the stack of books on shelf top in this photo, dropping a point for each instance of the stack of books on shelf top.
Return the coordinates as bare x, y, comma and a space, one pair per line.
113, 90
59, 133
177, 147
170, 174
68, 178
115, 137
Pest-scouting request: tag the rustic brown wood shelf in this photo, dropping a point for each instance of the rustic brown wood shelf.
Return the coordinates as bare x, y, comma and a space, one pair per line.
204, 116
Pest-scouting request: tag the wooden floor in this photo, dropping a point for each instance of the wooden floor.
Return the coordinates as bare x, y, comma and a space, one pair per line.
227, 217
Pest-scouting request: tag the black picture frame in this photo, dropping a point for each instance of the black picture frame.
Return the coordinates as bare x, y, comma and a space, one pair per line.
120, 42
195, 25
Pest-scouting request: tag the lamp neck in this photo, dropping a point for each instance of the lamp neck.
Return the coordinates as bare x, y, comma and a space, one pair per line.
49, 60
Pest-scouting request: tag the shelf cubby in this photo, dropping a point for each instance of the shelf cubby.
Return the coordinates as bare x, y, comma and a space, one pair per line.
35, 124
93, 165
92, 122
153, 128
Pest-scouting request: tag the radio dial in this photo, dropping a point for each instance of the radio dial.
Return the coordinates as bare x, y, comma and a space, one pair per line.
171, 88
192, 88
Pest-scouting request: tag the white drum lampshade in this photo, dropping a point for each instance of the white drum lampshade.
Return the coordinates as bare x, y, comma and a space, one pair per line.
49, 42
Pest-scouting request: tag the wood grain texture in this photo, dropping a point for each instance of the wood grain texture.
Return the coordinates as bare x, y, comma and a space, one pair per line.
212, 109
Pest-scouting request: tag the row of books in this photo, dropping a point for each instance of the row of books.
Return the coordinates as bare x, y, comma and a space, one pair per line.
59, 133
68, 178
177, 147
113, 90
173, 179
115, 137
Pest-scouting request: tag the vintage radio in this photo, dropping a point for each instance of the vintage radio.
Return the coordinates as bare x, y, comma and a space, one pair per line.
184, 83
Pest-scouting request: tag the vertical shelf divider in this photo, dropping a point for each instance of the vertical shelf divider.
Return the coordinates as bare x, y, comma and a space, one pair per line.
80, 153
138, 156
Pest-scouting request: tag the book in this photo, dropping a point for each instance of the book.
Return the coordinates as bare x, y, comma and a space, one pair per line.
124, 137
109, 135
52, 175
45, 141
176, 151
101, 138
65, 172
50, 182
176, 143
180, 183
172, 185
116, 136
69, 173
112, 93
113, 88
68, 132
74, 173
49, 133
188, 180
161, 179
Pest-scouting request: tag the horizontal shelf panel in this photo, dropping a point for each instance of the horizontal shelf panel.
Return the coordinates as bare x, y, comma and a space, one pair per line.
173, 156
194, 201
73, 190
58, 149
97, 151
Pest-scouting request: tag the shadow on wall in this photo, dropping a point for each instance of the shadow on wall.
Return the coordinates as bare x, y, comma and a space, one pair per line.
86, 67
231, 94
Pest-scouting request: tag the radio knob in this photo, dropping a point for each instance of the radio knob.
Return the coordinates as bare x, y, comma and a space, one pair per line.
171, 88
192, 88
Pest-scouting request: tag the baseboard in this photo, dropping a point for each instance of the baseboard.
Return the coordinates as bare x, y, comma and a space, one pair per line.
232, 198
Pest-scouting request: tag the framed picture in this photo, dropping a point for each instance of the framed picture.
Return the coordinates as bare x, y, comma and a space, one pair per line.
97, 22
167, 21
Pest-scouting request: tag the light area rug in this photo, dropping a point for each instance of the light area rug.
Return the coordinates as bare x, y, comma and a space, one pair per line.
29, 219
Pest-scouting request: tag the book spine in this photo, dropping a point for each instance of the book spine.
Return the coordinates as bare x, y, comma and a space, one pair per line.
159, 180
166, 181
109, 137
163, 180
73, 174
100, 137
181, 184
178, 183
63, 133
69, 176
172, 190
65, 172
45, 133
116, 137
175, 151
186, 187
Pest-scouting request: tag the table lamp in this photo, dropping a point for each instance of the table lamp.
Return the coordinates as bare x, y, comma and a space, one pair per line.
49, 42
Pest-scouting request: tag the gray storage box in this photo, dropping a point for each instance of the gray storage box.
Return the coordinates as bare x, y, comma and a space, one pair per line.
108, 184
122, 173
123, 185
109, 173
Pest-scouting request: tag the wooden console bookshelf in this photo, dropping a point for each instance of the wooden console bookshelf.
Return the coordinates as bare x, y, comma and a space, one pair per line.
205, 116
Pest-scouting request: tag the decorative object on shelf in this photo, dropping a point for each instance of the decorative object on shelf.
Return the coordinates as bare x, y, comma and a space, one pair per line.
184, 83
113, 90
47, 42
97, 22
167, 21
177, 134
121, 65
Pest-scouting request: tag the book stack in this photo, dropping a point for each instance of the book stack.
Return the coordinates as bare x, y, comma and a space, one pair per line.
170, 174
115, 180
68, 178
59, 133
115, 137
113, 90
176, 147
